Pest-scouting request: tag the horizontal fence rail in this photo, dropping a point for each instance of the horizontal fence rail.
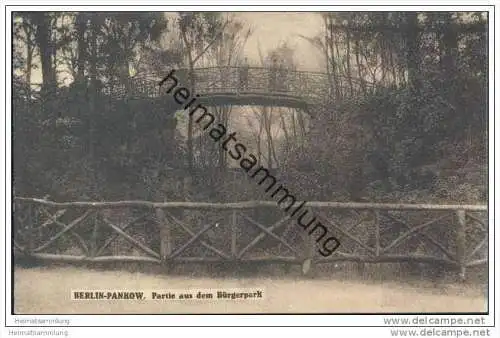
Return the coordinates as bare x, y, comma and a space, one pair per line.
254, 204
454, 236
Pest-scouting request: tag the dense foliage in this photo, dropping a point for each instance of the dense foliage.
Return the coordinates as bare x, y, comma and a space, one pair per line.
419, 131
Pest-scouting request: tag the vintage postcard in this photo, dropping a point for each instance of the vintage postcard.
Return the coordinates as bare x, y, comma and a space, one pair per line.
218, 161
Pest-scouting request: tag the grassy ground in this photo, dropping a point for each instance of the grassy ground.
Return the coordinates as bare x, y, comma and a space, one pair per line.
48, 290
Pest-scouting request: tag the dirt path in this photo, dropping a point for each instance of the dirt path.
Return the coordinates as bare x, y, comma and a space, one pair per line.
48, 290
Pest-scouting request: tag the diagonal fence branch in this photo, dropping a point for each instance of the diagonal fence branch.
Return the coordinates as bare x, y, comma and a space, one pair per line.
346, 233
191, 241
78, 239
192, 233
477, 248
268, 232
262, 235
477, 220
416, 229
116, 235
426, 236
63, 231
131, 240
52, 218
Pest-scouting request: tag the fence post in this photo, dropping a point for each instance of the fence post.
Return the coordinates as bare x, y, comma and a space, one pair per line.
378, 272
165, 235
308, 262
461, 243
377, 232
93, 241
234, 251
29, 229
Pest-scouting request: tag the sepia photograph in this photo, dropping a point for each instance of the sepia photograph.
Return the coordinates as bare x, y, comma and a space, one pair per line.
249, 162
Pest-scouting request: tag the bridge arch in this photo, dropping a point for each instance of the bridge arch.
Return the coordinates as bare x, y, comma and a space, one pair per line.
239, 86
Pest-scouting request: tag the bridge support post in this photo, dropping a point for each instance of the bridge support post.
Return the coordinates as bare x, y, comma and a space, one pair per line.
165, 236
461, 243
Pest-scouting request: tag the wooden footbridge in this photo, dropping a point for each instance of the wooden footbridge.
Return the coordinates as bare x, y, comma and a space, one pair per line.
454, 236
219, 86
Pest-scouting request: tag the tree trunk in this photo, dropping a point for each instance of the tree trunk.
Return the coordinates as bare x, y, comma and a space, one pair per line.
358, 64
450, 47
29, 60
189, 53
348, 61
190, 120
43, 40
92, 101
412, 57
81, 24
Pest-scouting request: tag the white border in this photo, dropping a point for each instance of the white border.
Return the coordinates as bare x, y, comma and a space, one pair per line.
230, 320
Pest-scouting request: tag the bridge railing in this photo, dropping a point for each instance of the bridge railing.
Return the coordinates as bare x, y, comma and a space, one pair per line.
455, 236
311, 86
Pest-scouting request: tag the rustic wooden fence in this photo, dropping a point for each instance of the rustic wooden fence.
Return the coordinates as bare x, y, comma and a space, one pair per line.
452, 235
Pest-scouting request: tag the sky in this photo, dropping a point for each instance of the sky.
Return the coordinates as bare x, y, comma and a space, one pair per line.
270, 29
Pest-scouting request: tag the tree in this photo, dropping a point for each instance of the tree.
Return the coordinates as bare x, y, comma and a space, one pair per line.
413, 71
225, 53
69, 123
199, 31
